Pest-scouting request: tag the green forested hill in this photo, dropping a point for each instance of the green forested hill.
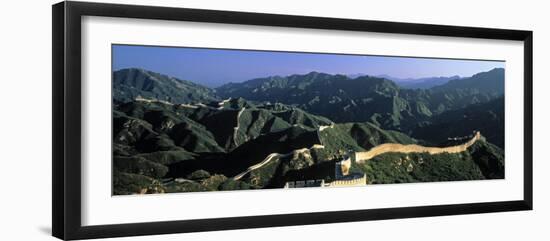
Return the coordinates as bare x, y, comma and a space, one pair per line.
155, 140
185, 144
486, 117
131, 83
490, 82
482, 161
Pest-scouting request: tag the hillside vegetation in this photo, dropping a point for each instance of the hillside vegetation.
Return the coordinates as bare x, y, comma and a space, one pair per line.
367, 98
171, 135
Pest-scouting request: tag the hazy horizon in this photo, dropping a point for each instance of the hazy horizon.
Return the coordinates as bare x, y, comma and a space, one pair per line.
215, 67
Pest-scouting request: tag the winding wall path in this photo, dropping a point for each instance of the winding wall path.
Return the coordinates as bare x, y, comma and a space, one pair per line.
236, 128
400, 148
273, 156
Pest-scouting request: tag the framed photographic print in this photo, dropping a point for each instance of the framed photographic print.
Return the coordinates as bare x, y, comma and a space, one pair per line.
170, 120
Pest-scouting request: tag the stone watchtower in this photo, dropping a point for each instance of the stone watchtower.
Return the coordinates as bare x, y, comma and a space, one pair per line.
343, 176
342, 167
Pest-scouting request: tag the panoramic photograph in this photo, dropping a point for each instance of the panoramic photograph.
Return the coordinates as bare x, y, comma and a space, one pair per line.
203, 119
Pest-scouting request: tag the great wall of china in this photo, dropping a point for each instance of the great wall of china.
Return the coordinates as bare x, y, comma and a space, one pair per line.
413, 148
361, 157
273, 156
362, 181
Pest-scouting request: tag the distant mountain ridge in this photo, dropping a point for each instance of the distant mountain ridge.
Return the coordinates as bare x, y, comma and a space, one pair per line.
131, 83
424, 83
368, 98
412, 83
485, 82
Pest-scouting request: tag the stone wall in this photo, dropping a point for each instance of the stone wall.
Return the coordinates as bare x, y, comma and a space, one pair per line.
349, 183
399, 148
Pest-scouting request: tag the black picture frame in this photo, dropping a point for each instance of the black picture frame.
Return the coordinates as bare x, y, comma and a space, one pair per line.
66, 75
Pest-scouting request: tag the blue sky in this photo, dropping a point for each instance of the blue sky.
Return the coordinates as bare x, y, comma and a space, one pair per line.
214, 67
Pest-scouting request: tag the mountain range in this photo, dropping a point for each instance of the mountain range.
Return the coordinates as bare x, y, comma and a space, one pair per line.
172, 135
366, 98
131, 83
412, 83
